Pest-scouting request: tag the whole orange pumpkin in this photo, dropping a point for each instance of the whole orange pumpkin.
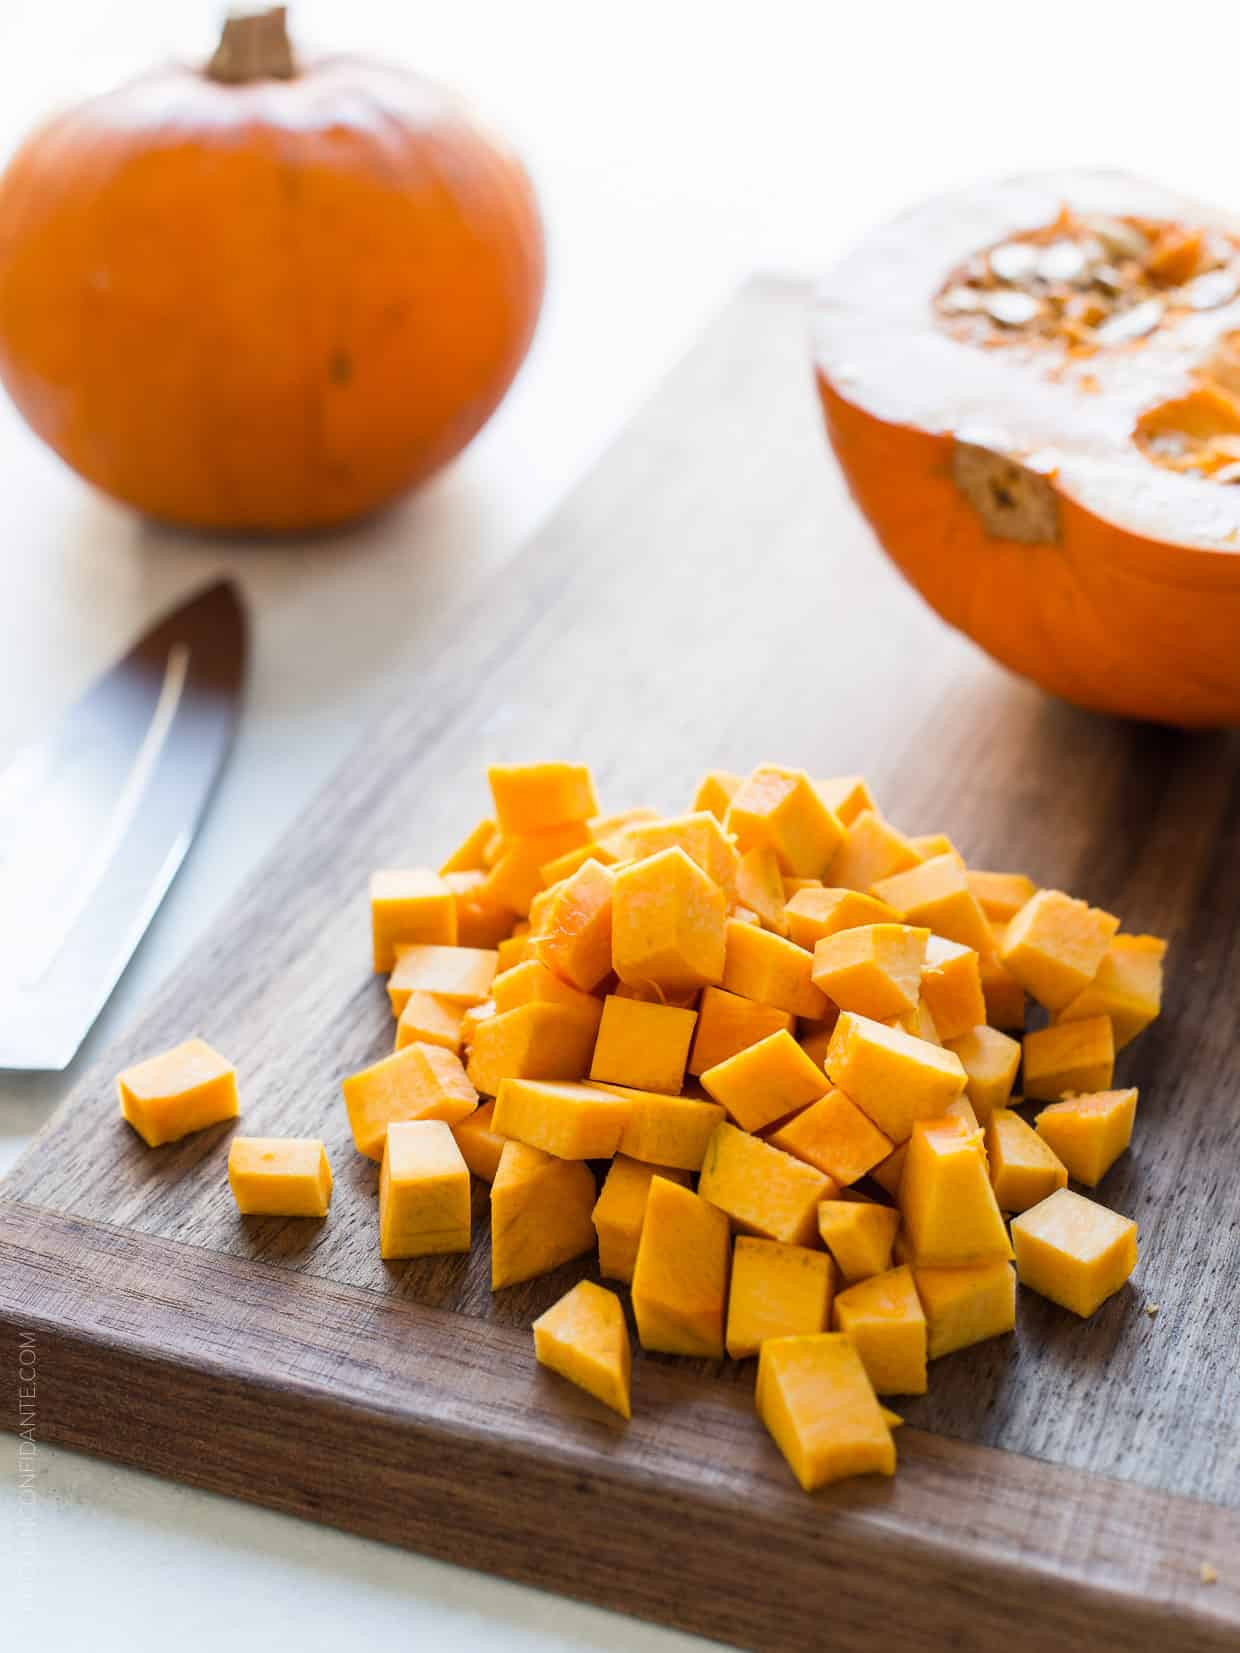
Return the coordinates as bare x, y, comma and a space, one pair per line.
270, 295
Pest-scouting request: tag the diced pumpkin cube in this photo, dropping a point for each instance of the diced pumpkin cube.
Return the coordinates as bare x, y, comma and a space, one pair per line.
936, 894
532, 983
480, 1145
666, 1130
814, 913
570, 1121
990, 1060
964, 1306
429, 1020
1001, 895
814, 1035
715, 791
584, 1338
282, 1176
951, 984
516, 879
949, 1209
1004, 996
620, 1211
564, 866
534, 1041
540, 1214
1023, 1168
835, 1137
1089, 1133
930, 844
919, 1022
480, 921
888, 1172
891, 1076
884, 1319
777, 1291
410, 904
1055, 945
727, 1024
872, 849
605, 826
700, 836
512, 952
771, 971
470, 854
760, 887
764, 1191
765, 1082
461, 974
859, 1235
680, 1278
1127, 988
962, 1108
472, 1018
668, 924
417, 1083
1073, 1251
181, 1090
1069, 1057
794, 886
423, 1191
846, 796
575, 937
531, 797
874, 969
644, 1046
781, 809
819, 1405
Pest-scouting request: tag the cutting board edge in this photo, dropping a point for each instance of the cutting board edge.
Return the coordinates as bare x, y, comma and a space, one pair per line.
1046, 1550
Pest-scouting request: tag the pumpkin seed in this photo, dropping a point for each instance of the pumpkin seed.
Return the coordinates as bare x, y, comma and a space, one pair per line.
962, 301
1121, 240
1208, 291
1228, 473
1127, 325
1062, 261
1012, 309
1014, 261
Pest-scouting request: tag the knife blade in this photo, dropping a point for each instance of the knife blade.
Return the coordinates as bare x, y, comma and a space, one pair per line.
96, 819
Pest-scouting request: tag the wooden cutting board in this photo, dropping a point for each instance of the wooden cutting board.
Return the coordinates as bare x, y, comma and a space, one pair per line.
705, 598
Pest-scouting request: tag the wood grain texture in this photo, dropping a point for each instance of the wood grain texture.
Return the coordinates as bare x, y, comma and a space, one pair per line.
707, 598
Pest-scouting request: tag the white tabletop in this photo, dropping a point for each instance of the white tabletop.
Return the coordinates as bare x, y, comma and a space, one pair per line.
676, 146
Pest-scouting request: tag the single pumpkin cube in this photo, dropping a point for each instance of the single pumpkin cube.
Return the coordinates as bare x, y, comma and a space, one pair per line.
794, 886
872, 849
760, 887
570, 1121
575, 939
874, 969
949, 1209
763, 1190
715, 792
644, 1046
423, 1191
771, 971
815, 1398
889, 1172
930, 844
411, 904
472, 1018
846, 796
666, 1130
884, 1319
990, 1060
835, 1137
279, 1176
815, 913
668, 924
535, 1041
584, 1338
1001, 895
1055, 945
530, 982
1089, 1133
572, 861
531, 797
514, 951
859, 1235
1023, 1168
951, 985
962, 1108
776, 1291
540, 1214
1074, 1251
891, 1076
1069, 1057
964, 1306
919, 1022
936, 894
727, 1024
620, 1211
414, 1083
766, 1081
814, 1035
680, 1278
781, 809
181, 1090
462, 975
480, 1145
480, 921
1127, 988
1004, 996
700, 836
470, 854
516, 879
429, 1020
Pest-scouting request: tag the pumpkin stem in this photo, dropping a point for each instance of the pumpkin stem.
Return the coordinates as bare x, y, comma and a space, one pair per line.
253, 46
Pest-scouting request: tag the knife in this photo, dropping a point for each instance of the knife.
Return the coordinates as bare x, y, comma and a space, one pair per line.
96, 818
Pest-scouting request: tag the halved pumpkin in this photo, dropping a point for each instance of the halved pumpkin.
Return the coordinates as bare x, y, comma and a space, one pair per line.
1033, 388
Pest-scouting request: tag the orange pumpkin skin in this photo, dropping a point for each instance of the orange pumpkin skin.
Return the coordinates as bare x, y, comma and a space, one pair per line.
1144, 625
267, 307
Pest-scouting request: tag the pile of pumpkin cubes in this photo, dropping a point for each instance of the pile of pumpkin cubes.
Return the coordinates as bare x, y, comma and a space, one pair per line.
787, 1035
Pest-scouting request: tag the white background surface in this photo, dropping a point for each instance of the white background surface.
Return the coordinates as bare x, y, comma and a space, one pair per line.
676, 146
